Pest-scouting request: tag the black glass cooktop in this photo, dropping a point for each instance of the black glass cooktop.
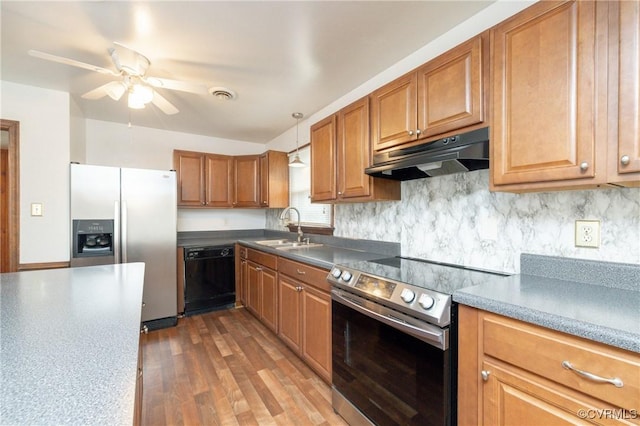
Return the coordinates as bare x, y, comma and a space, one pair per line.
441, 277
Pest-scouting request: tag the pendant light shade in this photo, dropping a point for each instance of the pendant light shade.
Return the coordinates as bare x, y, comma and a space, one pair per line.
297, 162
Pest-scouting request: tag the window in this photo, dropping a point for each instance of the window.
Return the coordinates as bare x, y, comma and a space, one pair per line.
312, 215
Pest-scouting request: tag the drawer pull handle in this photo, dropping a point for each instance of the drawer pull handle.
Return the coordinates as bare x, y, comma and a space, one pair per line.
300, 272
615, 381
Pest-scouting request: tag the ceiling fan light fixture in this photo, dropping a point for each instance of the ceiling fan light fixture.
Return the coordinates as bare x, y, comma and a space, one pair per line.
139, 95
222, 93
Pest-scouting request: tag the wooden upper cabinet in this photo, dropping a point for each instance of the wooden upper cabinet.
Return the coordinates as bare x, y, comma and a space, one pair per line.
451, 88
353, 150
624, 165
394, 113
444, 95
548, 73
340, 151
323, 160
274, 179
190, 176
247, 185
219, 180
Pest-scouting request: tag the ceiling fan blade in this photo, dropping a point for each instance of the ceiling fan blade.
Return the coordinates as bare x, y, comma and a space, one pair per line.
164, 105
142, 62
72, 62
183, 86
114, 90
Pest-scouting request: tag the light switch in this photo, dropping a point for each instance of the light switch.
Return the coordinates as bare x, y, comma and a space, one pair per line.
36, 209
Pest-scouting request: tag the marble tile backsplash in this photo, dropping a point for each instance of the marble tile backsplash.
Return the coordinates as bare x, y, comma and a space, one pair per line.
455, 218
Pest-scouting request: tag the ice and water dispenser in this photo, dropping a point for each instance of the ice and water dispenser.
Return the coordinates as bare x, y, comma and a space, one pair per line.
92, 242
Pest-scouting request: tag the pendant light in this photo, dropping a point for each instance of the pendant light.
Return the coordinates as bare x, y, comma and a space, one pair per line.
297, 162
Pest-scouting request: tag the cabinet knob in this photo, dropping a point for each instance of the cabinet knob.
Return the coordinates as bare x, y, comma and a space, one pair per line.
339, 192
258, 269
418, 132
204, 204
584, 166
624, 160
144, 330
410, 132
298, 288
485, 375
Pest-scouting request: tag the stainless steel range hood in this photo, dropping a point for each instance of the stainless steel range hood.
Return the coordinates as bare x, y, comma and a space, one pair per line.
454, 154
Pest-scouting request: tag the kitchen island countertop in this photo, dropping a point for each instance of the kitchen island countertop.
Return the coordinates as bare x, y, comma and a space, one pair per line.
70, 340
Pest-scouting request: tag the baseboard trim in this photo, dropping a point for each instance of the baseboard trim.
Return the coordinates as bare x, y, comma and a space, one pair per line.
39, 266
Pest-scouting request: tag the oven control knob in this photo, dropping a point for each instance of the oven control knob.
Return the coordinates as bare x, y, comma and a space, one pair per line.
426, 301
336, 273
407, 295
346, 276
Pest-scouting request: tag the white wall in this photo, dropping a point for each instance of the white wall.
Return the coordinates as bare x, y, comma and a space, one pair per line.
78, 132
117, 145
44, 117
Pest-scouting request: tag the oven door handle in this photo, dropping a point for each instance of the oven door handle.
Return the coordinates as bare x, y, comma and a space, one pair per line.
430, 334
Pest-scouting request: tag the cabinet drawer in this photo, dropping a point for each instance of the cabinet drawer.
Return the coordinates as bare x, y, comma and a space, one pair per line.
307, 274
542, 351
265, 259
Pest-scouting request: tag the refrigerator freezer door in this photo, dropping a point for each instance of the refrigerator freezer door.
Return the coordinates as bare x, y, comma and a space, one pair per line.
94, 191
149, 211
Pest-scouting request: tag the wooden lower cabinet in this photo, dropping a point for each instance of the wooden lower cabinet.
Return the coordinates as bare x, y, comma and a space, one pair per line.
261, 293
511, 373
305, 314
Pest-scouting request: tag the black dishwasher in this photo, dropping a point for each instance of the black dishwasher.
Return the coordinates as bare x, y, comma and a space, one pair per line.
210, 279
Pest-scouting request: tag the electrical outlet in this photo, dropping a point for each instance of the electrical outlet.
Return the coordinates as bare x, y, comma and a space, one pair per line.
588, 233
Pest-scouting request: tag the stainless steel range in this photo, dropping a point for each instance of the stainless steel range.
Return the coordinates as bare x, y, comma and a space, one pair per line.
393, 339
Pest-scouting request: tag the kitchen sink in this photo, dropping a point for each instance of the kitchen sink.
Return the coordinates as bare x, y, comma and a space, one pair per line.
286, 244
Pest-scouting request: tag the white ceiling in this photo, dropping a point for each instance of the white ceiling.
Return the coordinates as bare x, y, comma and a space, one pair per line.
279, 57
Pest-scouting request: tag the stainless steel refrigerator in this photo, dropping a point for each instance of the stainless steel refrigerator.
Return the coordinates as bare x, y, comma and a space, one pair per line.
121, 215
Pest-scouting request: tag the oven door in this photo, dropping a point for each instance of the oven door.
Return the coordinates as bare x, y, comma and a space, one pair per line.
388, 369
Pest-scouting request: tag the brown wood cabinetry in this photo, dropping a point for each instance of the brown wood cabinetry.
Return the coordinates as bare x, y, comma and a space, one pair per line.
204, 180
565, 114
340, 151
241, 274
224, 181
305, 313
444, 95
624, 139
247, 181
274, 179
512, 372
262, 296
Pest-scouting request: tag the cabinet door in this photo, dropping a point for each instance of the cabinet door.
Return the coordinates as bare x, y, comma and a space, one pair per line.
219, 180
323, 160
289, 301
354, 151
269, 312
274, 179
394, 117
264, 180
544, 90
247, 185
190, 168
515, 398
451, 89
244, 278
254, 288
628, 158
316, 330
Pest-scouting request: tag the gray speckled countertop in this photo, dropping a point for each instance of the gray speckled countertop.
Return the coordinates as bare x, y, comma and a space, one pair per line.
69, 349
333, 251
606, 312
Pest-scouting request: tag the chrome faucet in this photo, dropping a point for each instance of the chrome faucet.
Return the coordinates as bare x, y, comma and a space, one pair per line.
284, 213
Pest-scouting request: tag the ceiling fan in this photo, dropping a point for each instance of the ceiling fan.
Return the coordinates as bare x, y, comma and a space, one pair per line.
135, 81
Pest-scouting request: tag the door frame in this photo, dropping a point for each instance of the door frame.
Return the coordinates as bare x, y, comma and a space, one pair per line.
13, 186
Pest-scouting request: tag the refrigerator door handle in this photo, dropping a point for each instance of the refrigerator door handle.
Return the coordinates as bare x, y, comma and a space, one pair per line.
124, 232
116, 232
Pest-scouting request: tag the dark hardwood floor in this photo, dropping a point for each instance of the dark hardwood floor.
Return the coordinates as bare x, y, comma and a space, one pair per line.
226, 368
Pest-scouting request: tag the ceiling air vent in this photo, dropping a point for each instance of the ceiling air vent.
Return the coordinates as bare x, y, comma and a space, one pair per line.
222, 93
